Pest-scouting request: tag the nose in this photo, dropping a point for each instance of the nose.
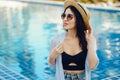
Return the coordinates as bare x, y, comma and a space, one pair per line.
65, 19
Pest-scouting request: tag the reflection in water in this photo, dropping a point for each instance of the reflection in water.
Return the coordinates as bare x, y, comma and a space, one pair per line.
25, 36
107, 30
26, 63
14, 49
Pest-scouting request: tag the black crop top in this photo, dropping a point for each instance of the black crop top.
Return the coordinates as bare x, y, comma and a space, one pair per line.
78, 60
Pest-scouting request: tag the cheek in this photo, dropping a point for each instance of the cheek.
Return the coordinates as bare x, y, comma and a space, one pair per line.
73, 24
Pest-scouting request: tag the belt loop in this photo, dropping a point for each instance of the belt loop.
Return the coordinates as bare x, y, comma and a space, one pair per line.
78, 76
71, 76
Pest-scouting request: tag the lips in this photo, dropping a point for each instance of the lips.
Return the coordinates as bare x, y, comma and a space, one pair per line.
65, 24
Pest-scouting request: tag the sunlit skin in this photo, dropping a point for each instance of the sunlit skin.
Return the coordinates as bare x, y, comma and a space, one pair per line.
70, 45
69, 25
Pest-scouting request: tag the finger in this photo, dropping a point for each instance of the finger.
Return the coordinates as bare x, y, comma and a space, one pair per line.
60, 46
86, 31
60, 50
90, 32
57, 46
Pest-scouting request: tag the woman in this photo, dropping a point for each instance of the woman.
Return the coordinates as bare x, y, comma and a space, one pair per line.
74, 52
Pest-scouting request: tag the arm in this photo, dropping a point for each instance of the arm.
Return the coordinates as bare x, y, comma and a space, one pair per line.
52, 57
92, 56
91, 46
56, 49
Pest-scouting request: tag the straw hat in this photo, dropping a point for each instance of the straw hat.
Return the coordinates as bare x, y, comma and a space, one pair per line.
82, 10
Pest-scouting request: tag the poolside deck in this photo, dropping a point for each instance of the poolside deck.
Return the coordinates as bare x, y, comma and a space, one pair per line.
7, 74
102, 6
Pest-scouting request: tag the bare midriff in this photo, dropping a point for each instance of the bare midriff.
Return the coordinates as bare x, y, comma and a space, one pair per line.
74, 71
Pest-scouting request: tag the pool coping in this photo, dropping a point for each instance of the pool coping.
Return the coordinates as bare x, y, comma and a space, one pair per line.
89, 6
9, 73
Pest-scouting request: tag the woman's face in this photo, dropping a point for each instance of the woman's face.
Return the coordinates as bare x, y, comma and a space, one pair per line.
69, 20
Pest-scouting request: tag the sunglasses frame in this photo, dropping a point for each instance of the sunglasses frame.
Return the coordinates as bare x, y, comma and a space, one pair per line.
69, 16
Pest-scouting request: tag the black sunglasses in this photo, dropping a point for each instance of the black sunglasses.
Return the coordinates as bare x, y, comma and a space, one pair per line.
69, 16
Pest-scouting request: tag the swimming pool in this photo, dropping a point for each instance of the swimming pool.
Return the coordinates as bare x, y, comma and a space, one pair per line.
26, 31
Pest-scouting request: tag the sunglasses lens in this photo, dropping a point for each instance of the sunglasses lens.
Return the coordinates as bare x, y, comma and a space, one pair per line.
69, 17
63, 16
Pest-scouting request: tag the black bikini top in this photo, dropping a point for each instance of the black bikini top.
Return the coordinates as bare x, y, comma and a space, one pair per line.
75, 62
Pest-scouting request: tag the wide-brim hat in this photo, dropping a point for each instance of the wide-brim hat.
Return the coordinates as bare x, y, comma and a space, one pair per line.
82, 10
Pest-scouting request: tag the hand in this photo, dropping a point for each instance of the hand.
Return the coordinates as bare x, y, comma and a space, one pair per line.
58, 49
91, 41
89, 36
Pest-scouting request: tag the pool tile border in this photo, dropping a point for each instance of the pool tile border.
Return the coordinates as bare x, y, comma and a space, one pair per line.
8, 74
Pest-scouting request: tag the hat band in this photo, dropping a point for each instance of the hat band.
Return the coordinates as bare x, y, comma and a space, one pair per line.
82, 8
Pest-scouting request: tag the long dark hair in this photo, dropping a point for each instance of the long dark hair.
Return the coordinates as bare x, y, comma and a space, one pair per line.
80, 28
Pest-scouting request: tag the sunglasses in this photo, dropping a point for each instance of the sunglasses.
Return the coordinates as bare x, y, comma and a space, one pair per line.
69, 16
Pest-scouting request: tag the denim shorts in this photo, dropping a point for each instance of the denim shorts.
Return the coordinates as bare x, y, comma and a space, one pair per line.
69, 76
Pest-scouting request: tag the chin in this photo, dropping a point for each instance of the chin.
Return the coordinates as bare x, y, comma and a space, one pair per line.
65, 27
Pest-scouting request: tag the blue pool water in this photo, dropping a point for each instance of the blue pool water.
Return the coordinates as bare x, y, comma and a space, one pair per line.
26, 32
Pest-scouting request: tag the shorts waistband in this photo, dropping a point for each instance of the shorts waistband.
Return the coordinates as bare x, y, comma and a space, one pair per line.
71, 73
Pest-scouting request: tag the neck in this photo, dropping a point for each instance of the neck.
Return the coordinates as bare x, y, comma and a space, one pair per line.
71, 33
